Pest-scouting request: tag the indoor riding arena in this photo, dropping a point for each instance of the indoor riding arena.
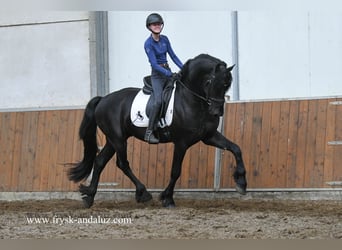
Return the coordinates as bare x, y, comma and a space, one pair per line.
292, 173
284, 110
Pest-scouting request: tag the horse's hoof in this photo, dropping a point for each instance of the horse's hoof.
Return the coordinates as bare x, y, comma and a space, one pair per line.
144, 197
88, 201
241, 190
168, 204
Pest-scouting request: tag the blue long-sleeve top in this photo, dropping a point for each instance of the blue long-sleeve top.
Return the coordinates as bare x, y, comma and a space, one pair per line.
156, 52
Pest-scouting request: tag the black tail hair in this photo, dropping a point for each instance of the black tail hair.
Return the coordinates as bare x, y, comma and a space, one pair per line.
87, 133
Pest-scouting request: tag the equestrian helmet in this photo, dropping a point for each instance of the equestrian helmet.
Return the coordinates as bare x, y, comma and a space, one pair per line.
154, 18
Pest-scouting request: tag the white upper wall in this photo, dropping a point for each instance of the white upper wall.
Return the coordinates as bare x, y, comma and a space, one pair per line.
289, 55
44, 59
31, 17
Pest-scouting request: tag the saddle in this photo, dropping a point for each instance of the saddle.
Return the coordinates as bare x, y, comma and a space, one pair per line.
142, 105
147, 89
167, 93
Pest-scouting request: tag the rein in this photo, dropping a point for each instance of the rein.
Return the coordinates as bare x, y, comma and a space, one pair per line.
208, 100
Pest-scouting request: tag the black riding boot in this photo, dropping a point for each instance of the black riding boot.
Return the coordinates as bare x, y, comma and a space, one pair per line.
149, 135
150, 138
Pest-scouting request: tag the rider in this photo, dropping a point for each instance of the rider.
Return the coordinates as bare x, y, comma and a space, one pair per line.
156, 48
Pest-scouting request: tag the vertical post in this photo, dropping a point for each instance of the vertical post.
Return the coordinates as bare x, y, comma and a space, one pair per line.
98, 39
218, 159
235, 55
236, 95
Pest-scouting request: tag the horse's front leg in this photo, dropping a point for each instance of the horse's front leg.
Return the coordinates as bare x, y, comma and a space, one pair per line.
166, 196
219, 141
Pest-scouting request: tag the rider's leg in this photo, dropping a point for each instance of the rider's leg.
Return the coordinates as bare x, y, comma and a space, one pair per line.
158, 83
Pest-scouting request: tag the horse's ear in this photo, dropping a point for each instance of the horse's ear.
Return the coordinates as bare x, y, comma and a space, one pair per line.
231, 68
220, 66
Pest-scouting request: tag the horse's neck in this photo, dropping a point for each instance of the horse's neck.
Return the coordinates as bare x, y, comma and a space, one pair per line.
191, 99
193, 86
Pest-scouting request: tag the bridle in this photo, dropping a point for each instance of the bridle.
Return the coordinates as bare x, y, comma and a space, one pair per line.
209, 100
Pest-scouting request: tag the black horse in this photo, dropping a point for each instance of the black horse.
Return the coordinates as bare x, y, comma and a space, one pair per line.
199, 102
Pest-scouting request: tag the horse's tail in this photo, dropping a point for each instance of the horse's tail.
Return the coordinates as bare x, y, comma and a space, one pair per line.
87, 133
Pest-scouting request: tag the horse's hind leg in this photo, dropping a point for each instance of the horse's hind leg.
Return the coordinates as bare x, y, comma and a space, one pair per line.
141, 194
88, 192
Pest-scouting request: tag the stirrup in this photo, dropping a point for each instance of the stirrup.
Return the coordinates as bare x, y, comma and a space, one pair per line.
150, 138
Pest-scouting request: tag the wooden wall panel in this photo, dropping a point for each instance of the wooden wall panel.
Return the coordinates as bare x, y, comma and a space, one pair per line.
284, 145
7, 138
292, 174
337, 169
34, 150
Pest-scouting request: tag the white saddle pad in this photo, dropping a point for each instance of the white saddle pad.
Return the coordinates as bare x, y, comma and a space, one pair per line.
138, 110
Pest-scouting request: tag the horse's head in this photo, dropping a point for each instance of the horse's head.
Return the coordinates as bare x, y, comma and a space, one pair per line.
210, 78
216, 86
